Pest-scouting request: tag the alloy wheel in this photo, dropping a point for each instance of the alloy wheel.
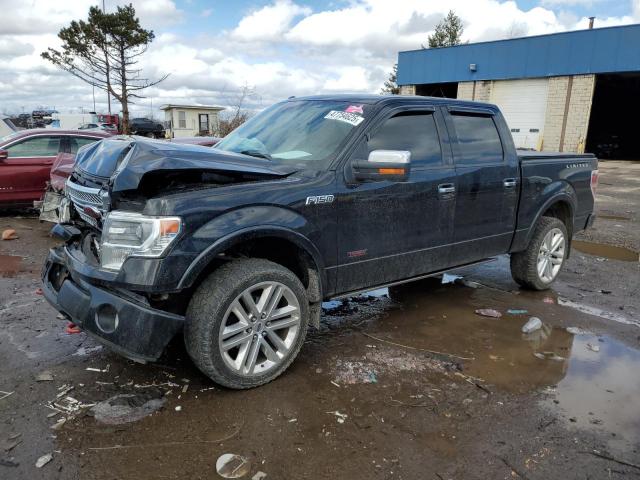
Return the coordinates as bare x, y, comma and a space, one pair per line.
259, 328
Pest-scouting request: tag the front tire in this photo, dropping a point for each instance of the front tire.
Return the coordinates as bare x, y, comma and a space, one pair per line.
246, 323
538, 266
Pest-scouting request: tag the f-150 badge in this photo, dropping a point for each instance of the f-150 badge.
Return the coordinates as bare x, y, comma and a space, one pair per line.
319, 199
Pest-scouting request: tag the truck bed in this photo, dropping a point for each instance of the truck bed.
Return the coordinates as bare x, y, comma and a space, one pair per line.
525, 155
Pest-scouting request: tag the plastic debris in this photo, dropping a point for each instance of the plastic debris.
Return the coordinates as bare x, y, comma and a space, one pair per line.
578, 331
43, 460
516, 311
341, 417
93, 369
128, 407
39, 291
549, 356
72, 328
548, 300
58, 424
178, 408
45, 376
230, 465
259, 476
9, 234
593, 348
532, 325
488, 312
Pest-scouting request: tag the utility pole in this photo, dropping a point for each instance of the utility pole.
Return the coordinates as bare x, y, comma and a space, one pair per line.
93, 91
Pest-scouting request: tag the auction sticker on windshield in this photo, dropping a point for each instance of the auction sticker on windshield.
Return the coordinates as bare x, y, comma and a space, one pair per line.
350, 118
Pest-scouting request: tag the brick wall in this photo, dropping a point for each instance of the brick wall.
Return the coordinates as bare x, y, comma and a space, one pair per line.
578, 111
482, 91
407, 89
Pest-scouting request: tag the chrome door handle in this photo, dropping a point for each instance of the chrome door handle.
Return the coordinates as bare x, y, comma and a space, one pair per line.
509, 182
446, 188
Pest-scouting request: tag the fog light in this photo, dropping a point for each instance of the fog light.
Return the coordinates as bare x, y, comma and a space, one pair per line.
107, 318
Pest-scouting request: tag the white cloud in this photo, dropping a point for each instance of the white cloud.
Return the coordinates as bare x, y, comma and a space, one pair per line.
269, 22
280, 49
206, 12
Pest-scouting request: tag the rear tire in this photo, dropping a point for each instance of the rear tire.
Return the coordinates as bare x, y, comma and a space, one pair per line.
246, 323
538, 266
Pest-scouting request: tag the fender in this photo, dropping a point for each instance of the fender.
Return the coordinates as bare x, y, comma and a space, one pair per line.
561, 193
225, 231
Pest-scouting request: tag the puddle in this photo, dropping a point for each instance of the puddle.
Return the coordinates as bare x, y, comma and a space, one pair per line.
600, 390
10, 265
606, 251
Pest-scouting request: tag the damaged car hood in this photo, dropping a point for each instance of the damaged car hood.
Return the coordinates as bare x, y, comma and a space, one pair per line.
124, 161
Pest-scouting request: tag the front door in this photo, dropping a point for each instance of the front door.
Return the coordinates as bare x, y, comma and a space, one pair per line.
487, 190
389, 230
23, 175
203, 120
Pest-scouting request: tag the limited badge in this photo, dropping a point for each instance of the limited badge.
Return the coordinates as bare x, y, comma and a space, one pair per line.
350, 118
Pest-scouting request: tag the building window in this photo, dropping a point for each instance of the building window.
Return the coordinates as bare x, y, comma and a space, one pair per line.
182, 119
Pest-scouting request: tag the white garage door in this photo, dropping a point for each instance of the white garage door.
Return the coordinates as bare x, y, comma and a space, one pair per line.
523, 103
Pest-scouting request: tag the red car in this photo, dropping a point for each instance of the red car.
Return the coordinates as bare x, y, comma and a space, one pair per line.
26, 158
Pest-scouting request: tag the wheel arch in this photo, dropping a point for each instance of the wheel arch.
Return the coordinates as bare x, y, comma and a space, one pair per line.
279, 244
561, 206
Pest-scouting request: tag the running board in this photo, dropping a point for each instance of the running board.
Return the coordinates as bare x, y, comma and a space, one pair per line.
409, 280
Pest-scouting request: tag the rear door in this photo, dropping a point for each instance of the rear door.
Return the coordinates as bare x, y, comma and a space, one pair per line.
23, 175
390, 230
487, 183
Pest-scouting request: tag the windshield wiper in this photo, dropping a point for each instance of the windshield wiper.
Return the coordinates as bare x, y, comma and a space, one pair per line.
256, 153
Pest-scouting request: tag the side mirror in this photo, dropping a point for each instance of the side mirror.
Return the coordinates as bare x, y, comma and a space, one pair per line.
3, 155
382, 165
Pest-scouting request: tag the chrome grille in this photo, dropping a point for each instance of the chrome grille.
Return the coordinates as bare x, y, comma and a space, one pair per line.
84, 197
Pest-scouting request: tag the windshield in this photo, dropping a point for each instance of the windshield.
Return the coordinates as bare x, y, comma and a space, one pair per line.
307, 133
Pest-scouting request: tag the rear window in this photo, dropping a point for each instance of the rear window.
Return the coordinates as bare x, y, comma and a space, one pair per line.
478, 139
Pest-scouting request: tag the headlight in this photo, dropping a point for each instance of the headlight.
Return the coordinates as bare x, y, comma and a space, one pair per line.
126, 234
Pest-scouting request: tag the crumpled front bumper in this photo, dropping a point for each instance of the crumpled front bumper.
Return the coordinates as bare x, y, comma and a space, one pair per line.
119, 319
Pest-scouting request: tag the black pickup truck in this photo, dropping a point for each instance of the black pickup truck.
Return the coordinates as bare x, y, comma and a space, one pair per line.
236, 247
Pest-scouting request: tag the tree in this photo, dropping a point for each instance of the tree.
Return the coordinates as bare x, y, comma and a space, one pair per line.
238, 114
447, 33
104, 51
391, 84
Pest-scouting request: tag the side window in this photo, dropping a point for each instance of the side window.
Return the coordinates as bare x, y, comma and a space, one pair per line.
182, 119
76, 142
478, 139
412, 131
36, 147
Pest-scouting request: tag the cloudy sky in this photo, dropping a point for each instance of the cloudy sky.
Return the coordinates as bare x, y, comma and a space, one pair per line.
214, 48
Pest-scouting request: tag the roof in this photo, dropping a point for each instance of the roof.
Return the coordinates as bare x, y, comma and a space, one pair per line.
372, 99
191, 107
57, 131
599, 50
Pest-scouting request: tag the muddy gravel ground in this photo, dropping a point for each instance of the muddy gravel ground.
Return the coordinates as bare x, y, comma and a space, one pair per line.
415, 385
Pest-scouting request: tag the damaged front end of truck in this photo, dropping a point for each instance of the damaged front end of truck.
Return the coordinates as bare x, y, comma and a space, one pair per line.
113, 270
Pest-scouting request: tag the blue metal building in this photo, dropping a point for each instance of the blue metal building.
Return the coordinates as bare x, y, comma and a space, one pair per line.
562, 91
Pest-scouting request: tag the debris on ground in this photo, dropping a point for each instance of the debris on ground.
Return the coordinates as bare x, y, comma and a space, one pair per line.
43, 460
593, 348
178, 408
533, 324
128, 407
98, 370
9, 234
517, 311
340, 417
84, 351
259, 476
8, 463
488, 312
230, 465
58, 424
353, 372
4, 395
578, 331
548, 300
45, 376
549, 356
72, 328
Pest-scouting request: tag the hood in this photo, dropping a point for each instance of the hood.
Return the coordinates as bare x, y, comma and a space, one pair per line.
124, 162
